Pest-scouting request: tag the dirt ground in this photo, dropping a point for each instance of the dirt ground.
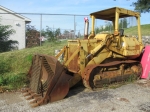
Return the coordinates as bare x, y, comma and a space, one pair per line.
133, 97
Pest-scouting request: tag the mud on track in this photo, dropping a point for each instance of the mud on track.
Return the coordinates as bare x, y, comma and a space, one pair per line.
133, 97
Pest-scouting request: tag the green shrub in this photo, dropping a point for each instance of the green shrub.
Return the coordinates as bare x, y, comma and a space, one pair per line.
4, 66
13, 81
17, 80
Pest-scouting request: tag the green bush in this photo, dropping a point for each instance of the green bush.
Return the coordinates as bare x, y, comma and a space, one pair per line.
13, 81
16, 80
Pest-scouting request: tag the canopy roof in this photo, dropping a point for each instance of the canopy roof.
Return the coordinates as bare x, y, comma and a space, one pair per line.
109, 14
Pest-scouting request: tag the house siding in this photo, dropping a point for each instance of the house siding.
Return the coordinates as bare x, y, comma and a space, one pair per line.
18, 24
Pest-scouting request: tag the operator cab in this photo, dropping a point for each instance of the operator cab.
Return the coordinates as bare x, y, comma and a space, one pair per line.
113, 15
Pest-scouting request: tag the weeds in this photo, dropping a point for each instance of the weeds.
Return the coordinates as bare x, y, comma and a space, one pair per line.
115, 85
131, 78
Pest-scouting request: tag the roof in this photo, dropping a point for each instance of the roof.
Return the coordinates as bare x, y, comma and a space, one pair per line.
109, 14
18, 15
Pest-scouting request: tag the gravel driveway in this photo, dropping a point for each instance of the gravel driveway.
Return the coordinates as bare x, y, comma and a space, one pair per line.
133, 97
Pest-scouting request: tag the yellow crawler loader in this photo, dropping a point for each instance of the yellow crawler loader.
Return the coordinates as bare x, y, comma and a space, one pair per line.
96, 60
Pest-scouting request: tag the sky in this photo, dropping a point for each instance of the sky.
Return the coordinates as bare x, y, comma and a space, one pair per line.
78, 7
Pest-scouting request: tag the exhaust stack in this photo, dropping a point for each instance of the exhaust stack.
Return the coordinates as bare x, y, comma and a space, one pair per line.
86, 28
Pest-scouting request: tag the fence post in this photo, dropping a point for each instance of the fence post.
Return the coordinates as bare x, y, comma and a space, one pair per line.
40, 29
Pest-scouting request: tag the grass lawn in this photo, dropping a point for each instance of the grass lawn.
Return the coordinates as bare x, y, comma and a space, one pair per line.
145, 30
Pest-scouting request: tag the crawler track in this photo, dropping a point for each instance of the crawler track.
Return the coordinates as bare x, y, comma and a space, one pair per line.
98, 75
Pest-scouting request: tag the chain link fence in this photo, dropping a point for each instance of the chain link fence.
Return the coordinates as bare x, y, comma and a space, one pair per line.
71, 26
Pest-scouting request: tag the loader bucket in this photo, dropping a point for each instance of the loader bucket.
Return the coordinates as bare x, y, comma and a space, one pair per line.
48, 80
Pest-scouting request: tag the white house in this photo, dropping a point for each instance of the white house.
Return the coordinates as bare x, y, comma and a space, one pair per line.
18, 23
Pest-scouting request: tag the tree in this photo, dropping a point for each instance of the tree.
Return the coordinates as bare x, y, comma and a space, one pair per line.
30, 29
108, 26
5, 43
66, 33
32, 36
123, 23
57, 32
50, 33
43, 33
97, 30
142, 6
